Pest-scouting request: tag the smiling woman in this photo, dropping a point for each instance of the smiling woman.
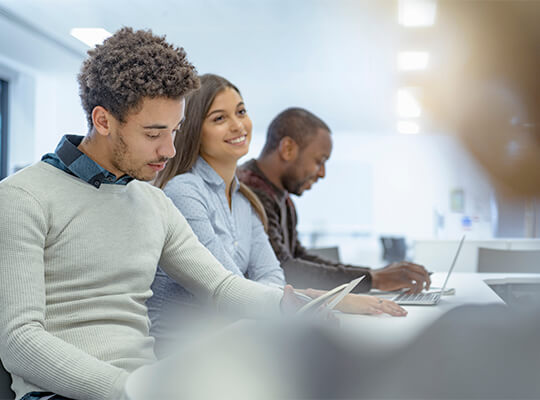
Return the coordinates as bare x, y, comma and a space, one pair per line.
226, 216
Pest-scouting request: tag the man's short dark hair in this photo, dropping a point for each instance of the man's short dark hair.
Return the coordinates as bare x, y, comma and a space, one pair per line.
297, 123
132, 65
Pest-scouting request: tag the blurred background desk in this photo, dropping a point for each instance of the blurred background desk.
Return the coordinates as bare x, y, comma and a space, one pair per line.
471, 288
436, 255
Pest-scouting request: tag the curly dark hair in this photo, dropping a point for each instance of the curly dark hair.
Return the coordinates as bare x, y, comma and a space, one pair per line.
129, 66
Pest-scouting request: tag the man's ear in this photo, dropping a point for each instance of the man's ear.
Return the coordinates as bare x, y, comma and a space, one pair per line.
101, 119
288, 149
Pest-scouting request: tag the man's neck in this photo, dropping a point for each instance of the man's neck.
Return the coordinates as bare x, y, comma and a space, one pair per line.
98, 153
269, 166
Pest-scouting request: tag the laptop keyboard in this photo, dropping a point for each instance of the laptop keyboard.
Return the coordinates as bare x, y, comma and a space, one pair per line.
420, 297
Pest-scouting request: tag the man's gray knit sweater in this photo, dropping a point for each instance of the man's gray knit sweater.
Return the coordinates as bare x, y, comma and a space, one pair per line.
76, 265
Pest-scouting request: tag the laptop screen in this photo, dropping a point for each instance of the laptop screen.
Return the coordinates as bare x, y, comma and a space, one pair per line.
453, 264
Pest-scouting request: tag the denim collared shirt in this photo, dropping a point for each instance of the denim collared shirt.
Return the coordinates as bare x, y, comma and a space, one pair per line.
70, 159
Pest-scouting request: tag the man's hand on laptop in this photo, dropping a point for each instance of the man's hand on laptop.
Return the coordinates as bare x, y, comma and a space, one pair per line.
401, 275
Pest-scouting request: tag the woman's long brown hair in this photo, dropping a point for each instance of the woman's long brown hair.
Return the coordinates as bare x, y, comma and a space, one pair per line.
188, 139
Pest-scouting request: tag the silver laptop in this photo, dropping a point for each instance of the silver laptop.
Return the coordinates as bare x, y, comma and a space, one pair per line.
428, 298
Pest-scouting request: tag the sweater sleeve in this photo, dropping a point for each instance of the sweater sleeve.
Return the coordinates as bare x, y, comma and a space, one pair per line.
27, 349
188, 262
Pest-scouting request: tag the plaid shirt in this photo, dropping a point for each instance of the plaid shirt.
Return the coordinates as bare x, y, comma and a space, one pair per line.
301, 269
70, 159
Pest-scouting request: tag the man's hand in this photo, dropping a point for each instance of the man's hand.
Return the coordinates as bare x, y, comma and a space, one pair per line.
401, 275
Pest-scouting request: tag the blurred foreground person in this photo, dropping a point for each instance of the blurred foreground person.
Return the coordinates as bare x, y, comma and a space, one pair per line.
491, 94
473, 352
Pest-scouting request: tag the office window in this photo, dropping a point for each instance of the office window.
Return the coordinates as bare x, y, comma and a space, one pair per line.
3, 128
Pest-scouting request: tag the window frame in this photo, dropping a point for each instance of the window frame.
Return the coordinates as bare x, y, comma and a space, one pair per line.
4, 128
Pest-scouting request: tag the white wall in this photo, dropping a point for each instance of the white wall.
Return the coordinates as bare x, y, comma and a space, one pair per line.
21, 107
58, 110
394, 185
43, 94
390, 185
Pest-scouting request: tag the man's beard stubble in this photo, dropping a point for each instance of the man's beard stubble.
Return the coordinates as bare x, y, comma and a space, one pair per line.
291, 182
121, 160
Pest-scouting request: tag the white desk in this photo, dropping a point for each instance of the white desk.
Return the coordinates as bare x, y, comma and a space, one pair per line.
391, 332
246, 359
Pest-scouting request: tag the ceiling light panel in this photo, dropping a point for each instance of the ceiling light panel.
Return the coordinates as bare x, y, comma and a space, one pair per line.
90, 36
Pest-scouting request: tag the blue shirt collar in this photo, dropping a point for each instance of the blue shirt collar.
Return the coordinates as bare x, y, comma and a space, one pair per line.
209, 175
70, 159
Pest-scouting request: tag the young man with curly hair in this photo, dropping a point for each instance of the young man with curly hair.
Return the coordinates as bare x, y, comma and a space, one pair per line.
81, 235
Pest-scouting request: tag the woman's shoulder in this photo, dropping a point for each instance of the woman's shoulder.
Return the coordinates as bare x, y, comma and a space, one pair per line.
187, 184
184, 181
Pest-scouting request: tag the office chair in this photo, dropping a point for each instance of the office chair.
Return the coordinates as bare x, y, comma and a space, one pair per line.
331, 253
394, 248
497, 260
5, 384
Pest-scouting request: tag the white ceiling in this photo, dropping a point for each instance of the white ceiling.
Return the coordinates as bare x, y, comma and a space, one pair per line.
334, 57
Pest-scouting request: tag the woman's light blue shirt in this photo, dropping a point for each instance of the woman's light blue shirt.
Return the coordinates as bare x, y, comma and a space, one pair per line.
235, 236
